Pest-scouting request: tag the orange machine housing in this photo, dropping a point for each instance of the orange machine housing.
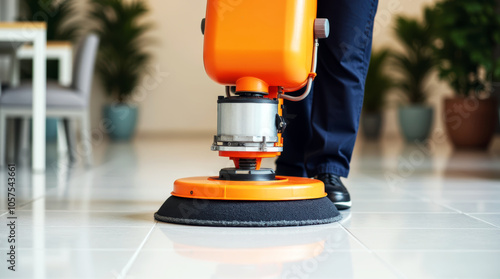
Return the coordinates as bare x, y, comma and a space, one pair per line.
259, 43
259, 46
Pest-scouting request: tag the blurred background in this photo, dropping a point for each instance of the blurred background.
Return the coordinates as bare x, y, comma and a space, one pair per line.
424, 174
174, 95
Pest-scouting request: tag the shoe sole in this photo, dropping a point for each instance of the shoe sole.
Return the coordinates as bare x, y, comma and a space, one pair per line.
343, 205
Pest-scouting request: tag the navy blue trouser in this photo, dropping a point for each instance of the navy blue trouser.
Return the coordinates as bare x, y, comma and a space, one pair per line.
322, 129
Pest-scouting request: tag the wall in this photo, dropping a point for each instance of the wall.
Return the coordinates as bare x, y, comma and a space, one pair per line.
185, 100
179, 97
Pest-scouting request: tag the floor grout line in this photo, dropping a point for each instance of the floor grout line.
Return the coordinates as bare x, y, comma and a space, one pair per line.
483, 213
426, 198
387, 260
131, 261
388, 265
473, 217
462, 213
28, 203
81, 227
437, 250
355, 238
50, 190
429, 229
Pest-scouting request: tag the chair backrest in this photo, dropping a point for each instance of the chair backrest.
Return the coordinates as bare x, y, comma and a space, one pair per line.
83, 67
9, 10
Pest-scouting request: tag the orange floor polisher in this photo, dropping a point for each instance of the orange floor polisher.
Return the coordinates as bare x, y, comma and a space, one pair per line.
259, 50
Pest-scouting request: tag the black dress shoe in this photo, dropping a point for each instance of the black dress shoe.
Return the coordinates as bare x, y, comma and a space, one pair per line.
336, 191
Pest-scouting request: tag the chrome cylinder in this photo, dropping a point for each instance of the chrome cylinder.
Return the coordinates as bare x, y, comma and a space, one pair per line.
246, 124
247, 120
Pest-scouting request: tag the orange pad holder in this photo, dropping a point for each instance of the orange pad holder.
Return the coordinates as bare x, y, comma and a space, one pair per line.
237, 155
244, 154
283, 188
270, 41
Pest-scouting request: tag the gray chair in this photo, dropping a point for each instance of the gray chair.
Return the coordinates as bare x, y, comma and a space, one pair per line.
67, 103
9, 49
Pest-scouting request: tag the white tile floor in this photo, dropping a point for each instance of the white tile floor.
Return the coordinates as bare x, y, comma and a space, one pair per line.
418, 212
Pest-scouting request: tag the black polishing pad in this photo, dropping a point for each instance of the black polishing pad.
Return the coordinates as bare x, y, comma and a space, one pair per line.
232, 213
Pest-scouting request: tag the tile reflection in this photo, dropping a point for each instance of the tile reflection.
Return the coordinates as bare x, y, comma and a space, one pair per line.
122, 155
261, 252
38, 215
473, 164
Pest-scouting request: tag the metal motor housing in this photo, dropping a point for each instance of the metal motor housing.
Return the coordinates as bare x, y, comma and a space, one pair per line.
246, 124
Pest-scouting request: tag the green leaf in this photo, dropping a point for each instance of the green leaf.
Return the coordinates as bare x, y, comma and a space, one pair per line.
377, 81
122, 58
467, 31
416, 61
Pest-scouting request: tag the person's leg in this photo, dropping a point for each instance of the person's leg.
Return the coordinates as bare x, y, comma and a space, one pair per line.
295, 137
343, 60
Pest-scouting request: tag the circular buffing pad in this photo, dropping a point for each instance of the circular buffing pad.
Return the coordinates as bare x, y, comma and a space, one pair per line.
238, 213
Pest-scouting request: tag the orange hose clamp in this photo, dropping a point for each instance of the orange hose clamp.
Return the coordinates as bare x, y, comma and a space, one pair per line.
270, 41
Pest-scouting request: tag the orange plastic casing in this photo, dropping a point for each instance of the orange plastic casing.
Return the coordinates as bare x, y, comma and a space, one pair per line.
282, 188
259, 43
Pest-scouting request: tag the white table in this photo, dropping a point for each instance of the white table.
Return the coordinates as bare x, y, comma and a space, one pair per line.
62, 51
36, 33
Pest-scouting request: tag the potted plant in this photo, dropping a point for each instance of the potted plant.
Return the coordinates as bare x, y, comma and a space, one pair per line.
121, 59
376, 86
467, 32
415, 64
